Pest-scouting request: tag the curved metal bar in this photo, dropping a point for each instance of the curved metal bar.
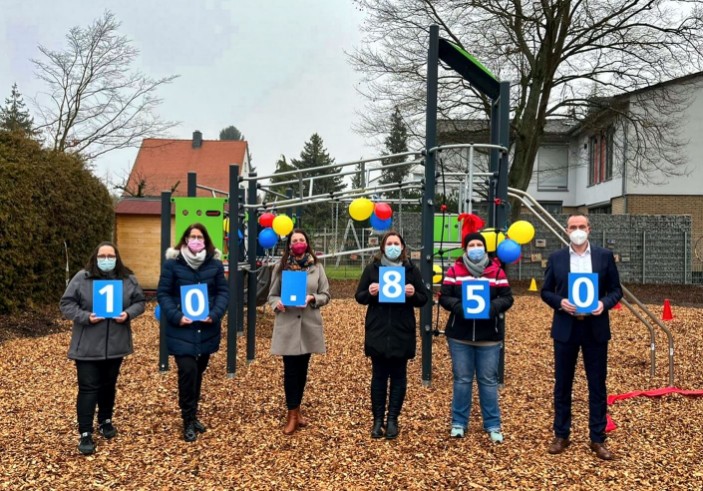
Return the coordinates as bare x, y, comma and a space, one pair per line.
652, 339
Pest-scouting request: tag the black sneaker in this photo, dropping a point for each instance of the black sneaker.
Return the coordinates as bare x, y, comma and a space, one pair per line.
189, 433
86, 445
107, 430
199, 427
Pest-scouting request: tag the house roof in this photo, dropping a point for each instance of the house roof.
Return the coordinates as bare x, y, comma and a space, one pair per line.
140, 206
163, 164
477, 130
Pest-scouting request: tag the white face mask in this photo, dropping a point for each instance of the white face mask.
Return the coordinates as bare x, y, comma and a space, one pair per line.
578, 237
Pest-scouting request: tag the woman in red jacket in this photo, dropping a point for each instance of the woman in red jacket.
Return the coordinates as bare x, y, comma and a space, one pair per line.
474, 344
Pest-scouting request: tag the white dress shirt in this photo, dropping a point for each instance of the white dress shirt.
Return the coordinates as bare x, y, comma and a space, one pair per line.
580, 263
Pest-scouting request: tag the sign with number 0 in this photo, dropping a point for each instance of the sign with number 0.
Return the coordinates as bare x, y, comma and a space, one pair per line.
195, 303
391, 284
294, 288
583, 292
107, 298
476, 299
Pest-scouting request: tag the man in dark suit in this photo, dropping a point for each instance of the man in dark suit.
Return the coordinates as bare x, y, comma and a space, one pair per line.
573, 332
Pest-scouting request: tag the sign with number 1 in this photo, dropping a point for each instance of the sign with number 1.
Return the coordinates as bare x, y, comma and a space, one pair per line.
583, 292
391, 284
476, 299
107, 298
195, 303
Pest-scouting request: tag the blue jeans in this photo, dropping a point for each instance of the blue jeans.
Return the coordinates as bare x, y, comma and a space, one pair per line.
483, 360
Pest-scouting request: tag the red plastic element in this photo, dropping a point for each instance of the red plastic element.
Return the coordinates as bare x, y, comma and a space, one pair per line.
610, 425
383, 211
667, 315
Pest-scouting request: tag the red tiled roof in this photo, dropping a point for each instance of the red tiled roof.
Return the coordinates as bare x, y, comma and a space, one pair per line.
140, 206
162, 163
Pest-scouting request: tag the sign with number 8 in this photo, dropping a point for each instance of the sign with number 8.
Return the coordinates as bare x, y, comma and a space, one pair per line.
391, 284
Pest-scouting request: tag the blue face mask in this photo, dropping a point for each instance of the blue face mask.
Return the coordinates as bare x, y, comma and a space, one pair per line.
107, 264
476, 254
393, 252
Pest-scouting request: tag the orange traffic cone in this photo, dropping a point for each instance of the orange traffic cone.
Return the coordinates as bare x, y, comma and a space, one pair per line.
667, 315
617, 306
533, 286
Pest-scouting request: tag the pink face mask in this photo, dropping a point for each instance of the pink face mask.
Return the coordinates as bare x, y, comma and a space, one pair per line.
196, 245
299, 248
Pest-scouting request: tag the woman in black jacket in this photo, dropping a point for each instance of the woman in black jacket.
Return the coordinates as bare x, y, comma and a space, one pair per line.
98, 345
192, 261
390, 331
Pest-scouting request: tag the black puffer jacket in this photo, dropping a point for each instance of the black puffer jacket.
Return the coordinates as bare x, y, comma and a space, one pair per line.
390, 327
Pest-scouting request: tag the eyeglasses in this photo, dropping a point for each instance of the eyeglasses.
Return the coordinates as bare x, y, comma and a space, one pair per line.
107, 256
196, 237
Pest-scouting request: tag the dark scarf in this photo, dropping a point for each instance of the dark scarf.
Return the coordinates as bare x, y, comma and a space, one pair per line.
478, 268
300, 264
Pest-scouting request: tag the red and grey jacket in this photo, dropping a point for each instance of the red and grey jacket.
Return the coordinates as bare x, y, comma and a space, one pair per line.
450, 299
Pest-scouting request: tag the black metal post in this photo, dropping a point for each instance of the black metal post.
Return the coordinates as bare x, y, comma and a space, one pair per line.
165, 244
192, 184
251, 286
233, 261
428, 202
240, 272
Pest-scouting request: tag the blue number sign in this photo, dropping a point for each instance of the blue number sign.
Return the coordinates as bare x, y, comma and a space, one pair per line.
294, 288
195, 303
476, 299
107, 298
583, 292
391, 284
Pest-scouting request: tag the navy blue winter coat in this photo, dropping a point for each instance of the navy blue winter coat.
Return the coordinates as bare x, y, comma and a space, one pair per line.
198, 338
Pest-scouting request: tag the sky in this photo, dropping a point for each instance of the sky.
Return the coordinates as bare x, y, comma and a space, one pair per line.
275, 69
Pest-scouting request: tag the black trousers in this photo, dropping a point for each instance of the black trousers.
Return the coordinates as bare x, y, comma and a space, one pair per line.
190, 381
97, 382
383, 370
295, 375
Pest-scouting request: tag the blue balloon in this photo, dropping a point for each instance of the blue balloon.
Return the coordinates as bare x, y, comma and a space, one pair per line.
240, 234
157, 312
379, 224
268, 238
509, 251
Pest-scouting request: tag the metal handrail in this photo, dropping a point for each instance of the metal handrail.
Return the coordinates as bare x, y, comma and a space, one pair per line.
630, 297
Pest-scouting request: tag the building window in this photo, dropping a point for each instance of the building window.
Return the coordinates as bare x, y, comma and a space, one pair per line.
553, 207
552, 168
601, 210
600, 156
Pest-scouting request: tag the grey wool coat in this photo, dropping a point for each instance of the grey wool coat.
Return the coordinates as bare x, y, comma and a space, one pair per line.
298, 331
107, 339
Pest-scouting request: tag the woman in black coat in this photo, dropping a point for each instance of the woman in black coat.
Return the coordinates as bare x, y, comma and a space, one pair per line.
390, 335
192, 261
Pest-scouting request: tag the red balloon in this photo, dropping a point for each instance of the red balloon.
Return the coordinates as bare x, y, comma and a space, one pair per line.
383, 211
266, 220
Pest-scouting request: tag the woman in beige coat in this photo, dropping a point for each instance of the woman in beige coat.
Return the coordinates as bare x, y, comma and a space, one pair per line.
297, 331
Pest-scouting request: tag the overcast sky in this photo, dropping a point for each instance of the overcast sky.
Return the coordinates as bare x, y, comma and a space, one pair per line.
275, 69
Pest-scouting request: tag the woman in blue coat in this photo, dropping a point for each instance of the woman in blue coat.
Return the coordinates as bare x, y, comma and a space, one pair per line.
194, 260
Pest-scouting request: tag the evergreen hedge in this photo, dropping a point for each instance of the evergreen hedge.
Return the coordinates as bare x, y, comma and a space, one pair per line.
46, 198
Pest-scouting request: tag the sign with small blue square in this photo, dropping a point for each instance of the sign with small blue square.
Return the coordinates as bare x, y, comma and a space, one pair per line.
107, 298
294, 288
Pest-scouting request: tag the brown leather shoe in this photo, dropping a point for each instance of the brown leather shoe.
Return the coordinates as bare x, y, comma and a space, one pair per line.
558, 445
291, 422
601, 451
302, 421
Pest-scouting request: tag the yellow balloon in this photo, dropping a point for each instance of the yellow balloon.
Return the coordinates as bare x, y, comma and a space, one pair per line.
282, 225
437, 277
361, 209
225, 225
521, 232
492, 238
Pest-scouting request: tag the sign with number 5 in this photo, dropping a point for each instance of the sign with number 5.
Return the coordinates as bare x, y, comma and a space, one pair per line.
391, 284
583, 292
476, 299
107, 298
195, 303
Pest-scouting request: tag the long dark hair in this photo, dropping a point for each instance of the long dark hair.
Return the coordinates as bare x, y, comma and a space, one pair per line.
209, 246
121, 271
403, 254
286, 251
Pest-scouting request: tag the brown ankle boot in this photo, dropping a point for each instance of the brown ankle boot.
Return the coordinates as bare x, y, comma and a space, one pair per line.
291, 422
302, 421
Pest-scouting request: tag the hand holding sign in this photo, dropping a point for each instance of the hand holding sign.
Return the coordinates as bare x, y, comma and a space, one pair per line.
476, 299
107, 299
583, 292
294, 286
391, 285
195, 303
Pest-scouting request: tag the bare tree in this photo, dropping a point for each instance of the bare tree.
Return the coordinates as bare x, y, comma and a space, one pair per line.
95, 100
558, 55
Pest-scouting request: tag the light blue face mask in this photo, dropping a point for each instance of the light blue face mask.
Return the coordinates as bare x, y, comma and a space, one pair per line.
476, 254
107, 264
393, 252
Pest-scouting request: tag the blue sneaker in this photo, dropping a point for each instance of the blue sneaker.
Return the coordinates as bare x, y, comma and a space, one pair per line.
496, 437
457, 432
